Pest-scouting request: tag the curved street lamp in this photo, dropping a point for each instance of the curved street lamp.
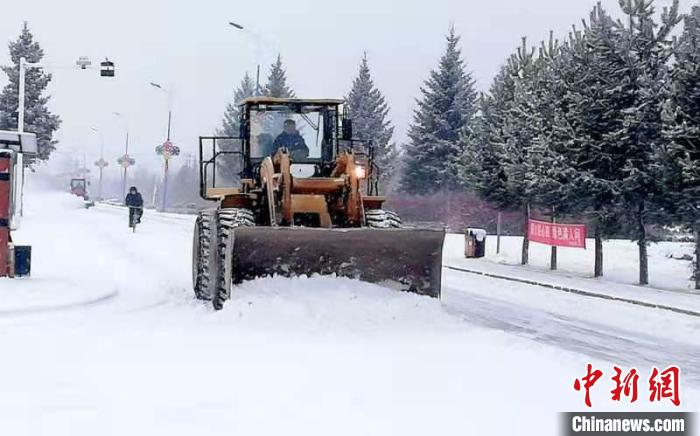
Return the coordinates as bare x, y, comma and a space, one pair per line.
167, 149
124, 161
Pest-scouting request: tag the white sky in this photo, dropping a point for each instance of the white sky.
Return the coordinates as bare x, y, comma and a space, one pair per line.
189, 46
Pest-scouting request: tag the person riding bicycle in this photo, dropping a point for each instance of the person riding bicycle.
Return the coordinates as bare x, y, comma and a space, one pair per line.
135, 203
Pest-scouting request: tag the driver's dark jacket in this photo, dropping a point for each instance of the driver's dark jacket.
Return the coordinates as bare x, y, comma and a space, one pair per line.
294, 143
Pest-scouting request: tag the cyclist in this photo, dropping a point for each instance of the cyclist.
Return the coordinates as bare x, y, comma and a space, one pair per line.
135, 203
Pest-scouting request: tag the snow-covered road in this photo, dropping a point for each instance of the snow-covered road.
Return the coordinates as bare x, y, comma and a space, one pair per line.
105, 338
601, 339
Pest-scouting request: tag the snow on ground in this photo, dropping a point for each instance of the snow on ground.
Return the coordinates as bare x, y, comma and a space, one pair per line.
105, 338
681, 300
620, 260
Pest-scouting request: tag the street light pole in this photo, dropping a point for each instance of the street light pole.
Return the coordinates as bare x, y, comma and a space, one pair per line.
256, 39
126, 153
166, 156
22, 90
21, 97
101, 164
170, 111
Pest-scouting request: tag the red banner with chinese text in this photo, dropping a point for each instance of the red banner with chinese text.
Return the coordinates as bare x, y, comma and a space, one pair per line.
560, 235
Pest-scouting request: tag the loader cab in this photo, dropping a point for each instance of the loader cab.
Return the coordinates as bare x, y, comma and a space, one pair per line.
322, 158
316, 122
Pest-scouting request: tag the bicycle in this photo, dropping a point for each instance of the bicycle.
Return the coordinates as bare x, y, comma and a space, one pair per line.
135, 214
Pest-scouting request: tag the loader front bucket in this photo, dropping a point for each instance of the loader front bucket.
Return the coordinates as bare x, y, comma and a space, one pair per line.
407, 259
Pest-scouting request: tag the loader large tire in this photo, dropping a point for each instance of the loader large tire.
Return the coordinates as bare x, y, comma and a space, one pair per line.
382, 219
226, 221
203, 260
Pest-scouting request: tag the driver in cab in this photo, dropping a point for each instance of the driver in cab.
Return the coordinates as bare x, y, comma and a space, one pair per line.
292, 141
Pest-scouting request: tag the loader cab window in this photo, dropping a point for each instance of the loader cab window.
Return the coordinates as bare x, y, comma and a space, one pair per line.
269, 128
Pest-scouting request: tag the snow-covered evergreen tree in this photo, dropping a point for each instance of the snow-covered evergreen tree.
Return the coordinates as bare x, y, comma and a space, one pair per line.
230, 165
485, 151
277, 87
370, 115
495, 156
543, 174
38, 119
682, 128
230, 125
447, 108
641, 62
277, 81
592, 106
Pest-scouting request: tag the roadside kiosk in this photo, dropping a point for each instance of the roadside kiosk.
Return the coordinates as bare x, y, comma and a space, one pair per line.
15, 260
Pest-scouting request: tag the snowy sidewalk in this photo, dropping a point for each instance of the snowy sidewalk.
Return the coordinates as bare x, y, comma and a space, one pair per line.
688, 304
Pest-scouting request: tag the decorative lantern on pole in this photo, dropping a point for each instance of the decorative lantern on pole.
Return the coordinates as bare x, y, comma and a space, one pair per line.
101, 164
125, 162
167, 150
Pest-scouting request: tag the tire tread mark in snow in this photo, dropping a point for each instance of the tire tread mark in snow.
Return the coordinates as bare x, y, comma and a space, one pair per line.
60, 307
576, 291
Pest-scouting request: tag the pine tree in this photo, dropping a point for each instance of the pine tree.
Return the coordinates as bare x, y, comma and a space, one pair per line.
446, 109
38, 119
612, 129
276, 87
592, 104
277, 81
495, 157
230, 165
230, 125
369, 112
485, 150
642, 65
544, 174
682, 128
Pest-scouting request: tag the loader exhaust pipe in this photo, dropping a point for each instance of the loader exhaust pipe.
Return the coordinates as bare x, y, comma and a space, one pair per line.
405, 259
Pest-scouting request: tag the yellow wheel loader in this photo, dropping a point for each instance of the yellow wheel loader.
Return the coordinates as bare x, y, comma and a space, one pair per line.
297, 195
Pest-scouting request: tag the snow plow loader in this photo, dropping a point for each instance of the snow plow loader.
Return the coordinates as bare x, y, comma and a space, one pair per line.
297, 195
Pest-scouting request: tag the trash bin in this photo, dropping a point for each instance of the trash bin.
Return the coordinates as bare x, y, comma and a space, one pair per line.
23, 260
474, 242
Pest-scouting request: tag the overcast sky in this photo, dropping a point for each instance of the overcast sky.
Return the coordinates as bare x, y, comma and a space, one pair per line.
189, 47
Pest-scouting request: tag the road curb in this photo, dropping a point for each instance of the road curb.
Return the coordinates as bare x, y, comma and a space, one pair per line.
576, 291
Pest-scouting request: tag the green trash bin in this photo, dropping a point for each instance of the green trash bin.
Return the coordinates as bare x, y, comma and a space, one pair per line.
23, 260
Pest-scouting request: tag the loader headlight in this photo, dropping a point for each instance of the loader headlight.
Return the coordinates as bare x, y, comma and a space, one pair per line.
360, 172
